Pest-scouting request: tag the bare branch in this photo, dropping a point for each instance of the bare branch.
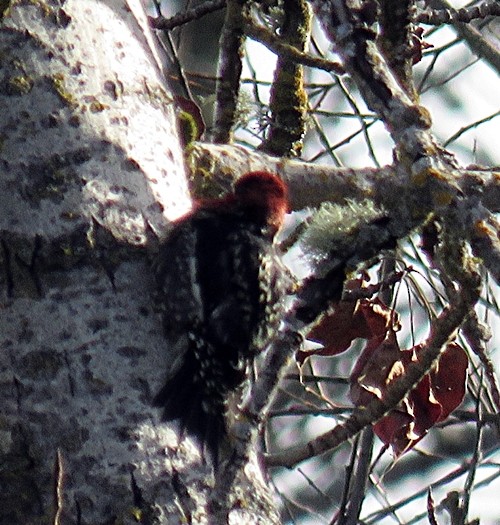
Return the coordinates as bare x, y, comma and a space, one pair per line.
476, 335
288, 98
485, 241
194, 13
396, 17
276, 45
312, 184
478, 44
474, 125
359, 479
229, 70
464, 15
356, 42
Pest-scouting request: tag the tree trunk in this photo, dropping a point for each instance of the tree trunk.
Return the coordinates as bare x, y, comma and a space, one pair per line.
91, 175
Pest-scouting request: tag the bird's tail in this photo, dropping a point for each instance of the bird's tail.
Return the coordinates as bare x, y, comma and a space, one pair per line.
183, 398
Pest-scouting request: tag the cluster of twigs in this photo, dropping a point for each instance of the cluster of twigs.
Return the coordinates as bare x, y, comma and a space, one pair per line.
377, 45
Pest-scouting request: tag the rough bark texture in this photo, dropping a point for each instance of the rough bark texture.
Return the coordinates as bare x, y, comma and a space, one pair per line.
91, 175
91, 171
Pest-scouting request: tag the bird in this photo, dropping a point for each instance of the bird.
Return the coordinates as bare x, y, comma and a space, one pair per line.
221, 286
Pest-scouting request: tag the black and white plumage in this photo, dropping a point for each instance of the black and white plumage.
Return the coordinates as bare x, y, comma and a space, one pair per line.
221, 286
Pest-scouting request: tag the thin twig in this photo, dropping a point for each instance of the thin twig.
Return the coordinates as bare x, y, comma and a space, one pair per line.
194, 13
276, 45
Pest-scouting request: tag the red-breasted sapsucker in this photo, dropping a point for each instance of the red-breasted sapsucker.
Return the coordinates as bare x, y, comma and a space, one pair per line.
221, 288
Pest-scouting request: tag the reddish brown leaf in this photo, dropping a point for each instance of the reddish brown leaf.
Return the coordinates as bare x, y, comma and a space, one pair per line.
392, 427
431, 401
426, 409
382, 361
449, 379
366, 319
378, 364
418, 44
335, 330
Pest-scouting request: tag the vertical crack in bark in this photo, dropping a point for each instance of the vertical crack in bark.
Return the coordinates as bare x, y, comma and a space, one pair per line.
7, 269
78, 508
71, 381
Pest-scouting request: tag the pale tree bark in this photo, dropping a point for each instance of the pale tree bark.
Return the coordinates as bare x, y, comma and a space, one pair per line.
91, 175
